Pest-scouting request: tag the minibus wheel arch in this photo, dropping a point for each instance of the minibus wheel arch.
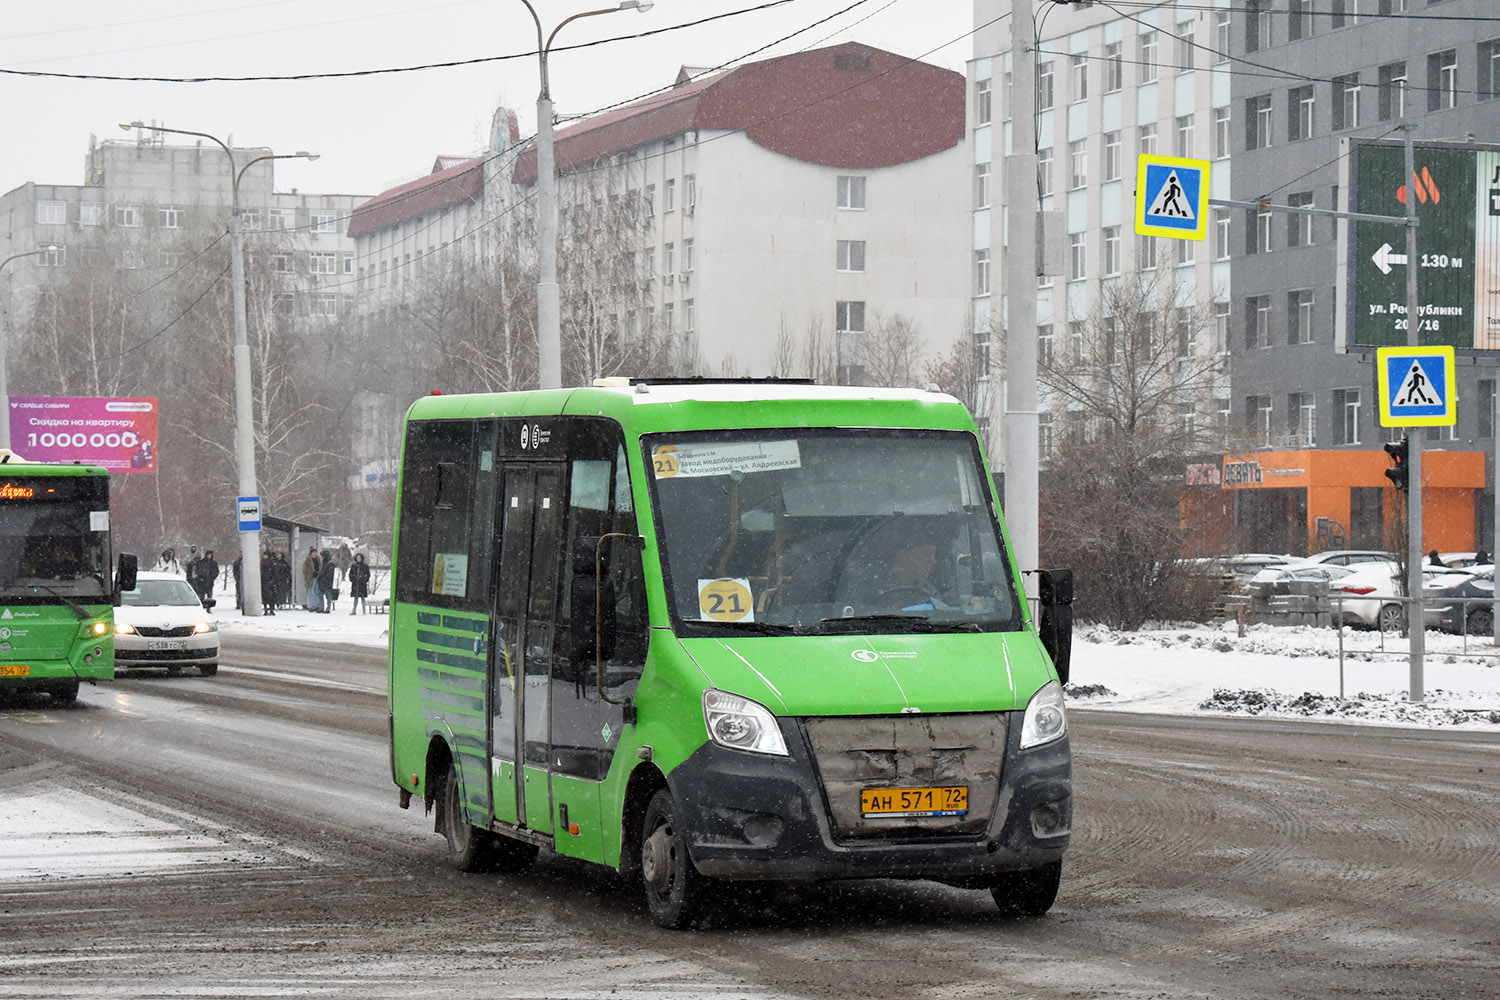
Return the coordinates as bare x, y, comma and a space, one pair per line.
439, 758
644, 782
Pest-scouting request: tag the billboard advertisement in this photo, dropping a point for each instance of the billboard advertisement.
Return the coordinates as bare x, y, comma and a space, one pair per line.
1456, 189
117, 434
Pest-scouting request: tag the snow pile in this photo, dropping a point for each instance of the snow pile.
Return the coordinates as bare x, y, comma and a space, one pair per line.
1363, 707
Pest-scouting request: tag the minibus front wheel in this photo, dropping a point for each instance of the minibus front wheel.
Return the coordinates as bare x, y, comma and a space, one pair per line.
675, 891
1028, 893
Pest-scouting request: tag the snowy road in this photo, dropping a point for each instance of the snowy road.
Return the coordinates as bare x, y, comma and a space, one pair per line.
239, 836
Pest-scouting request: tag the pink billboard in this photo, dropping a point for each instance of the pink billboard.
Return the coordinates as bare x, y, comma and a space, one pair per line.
118, 434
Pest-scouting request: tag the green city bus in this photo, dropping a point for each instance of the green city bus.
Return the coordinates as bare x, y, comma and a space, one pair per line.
56, 597
706, 632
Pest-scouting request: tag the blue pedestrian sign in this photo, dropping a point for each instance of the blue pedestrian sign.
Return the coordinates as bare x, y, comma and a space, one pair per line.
1171, 197
1417, 386
249, 513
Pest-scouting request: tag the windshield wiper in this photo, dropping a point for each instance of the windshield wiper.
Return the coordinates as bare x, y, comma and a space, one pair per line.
78, 609
759, 628
898, 623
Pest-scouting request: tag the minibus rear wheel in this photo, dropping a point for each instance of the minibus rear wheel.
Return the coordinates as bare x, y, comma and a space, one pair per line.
1029, 893
472, 848
675, 891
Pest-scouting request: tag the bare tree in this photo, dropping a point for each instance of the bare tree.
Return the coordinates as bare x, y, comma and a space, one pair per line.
889, 352
960, 371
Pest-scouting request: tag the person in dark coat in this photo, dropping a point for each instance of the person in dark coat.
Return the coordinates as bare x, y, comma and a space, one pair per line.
328, 571
267, 602
239, 595
359, 584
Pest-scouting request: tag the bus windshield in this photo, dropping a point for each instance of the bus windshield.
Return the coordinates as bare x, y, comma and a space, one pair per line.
53, 548
824, 530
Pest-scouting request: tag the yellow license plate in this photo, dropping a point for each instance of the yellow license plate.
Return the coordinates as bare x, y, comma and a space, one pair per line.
950, 800
14, 670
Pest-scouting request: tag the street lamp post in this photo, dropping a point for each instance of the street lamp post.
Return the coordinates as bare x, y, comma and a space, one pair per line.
244, 422
548, 309
4, 337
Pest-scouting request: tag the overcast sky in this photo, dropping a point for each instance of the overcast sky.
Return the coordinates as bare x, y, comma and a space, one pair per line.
378, 130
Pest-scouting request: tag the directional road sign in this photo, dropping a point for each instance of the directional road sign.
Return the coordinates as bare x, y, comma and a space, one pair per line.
1417, 386
1171, 197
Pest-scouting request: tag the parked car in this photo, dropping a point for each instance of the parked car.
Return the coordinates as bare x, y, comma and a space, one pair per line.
1332, 557
1372, 593
162, 624
1452, 613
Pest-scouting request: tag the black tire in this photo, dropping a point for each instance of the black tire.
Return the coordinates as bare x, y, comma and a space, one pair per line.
1391, 618
675, 892
472, 848
65, 693
1029, 893
208, 669
1481, 622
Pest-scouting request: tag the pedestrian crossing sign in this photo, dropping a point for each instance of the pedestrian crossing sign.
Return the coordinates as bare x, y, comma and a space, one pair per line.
1416, 386
1171, 197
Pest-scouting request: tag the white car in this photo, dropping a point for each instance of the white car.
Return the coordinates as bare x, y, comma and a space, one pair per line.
1353, 558
1371, 593
162, 624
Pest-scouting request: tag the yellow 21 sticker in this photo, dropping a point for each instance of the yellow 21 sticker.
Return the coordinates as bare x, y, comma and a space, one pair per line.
664, 461
726, 600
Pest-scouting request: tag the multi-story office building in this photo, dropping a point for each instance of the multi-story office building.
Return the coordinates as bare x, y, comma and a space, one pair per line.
1111, 84
1305, 77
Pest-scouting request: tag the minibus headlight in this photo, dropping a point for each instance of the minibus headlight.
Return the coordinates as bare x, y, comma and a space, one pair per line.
741, 724
1046, 719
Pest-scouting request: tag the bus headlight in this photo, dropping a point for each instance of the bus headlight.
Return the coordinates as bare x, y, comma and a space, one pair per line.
99, 628
741, 724
1046, 719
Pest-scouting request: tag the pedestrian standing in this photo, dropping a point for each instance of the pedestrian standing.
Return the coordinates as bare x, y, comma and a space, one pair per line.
310, 579
359, 584
208, 575
267, 599
238, 568
327, 578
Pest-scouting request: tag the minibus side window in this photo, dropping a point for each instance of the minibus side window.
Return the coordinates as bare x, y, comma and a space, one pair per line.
447, 497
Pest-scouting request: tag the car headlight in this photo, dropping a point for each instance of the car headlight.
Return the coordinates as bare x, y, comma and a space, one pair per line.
741, 724
124, 628
1046, 719
202, 627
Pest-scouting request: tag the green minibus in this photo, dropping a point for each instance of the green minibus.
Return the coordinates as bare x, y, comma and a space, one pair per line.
57, 600
707, 632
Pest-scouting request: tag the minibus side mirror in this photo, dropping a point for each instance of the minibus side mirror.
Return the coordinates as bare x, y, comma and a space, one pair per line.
125, 573
1056, 621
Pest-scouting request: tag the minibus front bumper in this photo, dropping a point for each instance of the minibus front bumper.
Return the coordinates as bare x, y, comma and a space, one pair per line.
755, 816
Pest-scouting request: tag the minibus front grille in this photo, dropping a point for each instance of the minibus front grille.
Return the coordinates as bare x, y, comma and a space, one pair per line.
857, 753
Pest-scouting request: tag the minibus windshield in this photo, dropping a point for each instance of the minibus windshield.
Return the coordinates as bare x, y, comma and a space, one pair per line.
825, 530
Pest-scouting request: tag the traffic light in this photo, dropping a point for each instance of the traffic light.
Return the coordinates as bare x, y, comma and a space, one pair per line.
1397, 474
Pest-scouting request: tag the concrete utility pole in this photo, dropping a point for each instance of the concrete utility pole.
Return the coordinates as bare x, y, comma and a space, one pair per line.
1020, 427
4, 347
1416, 621
244, 408
548, 299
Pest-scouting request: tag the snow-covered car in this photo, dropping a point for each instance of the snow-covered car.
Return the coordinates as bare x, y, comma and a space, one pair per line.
162, 624
1332, 557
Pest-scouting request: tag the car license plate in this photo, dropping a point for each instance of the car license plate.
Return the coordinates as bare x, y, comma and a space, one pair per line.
166, 644
15, 670
950, 800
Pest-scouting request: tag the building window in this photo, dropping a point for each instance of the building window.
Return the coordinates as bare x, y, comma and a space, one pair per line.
689, 316
1346, 102
1187, 420
1345, 13
128, 216
1182, 329
1258, 414
1221, 133
1079, 71
1442, 80
1258, 122
1111, 250
1258, 321
648, 201
669, 317
281, 263
1221, 234
1114, 68
1299, 225
1185, 136
283, 305
981, 272
984, 102
669, 196
51, 213
132, 259
1257, 231
322, 220
1078, 260
690, 192
249, 219
1391, 98
1300, 108
1186, 47
1221, 36
325, 304
1346, 428
1299, 22
91, 213
1489, 70
1044, 86
278, 219
1148, 56
851, 255
669, 259
1075, 342
1299, 316
981, 185
1044, 344
1145, 253
1257, 25
849, 317
851, 192
1187, 251
1044, 171
1045, 439
690, 253
1221, 328
322, 262
1145, 140
1078, 160
171, 259
52, 255
349, 261
1303, 418
1113, 156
